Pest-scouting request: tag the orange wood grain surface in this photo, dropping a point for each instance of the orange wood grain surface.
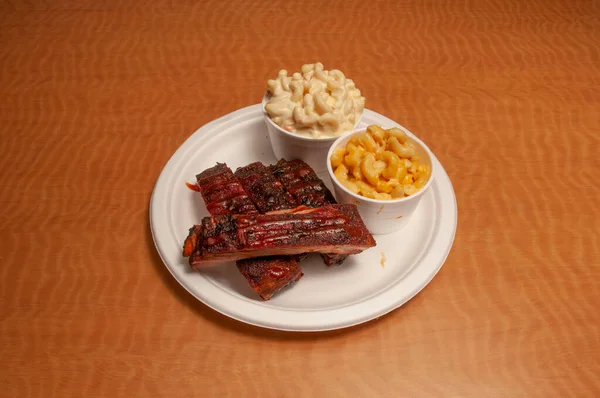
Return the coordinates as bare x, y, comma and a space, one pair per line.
95, 96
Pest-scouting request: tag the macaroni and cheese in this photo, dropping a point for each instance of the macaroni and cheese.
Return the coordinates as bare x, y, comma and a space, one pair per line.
316, 103
380, 164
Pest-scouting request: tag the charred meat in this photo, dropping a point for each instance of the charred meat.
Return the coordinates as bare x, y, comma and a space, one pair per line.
302, 182
328, 229
267, 275
266, 192
222, 192
235, 200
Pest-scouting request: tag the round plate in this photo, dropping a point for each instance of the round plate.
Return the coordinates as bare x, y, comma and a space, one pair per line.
365, 287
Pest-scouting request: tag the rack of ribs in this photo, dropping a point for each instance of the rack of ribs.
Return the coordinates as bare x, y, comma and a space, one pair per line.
268, 195
266, 192
327, 229
302, 182
223, 194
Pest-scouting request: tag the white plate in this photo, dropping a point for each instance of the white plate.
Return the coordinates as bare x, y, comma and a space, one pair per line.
325, 298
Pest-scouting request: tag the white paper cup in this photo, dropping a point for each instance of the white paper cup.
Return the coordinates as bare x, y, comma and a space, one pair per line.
289, 146
383, 216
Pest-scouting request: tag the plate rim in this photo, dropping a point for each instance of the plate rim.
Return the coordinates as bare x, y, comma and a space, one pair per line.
325, 321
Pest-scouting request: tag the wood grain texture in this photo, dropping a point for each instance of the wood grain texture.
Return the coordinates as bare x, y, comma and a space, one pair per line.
96, 96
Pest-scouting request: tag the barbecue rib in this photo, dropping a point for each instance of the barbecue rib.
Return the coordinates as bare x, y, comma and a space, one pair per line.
268, 195
222, 193
267, 275
265, 191
330, 229
302, 182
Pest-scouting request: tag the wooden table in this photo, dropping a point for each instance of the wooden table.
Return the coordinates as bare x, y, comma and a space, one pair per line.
96, 96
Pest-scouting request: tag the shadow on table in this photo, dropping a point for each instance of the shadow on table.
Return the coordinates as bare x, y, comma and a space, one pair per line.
236, 326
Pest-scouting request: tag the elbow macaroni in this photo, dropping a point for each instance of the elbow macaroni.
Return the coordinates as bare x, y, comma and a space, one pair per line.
380, 164
316, 103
